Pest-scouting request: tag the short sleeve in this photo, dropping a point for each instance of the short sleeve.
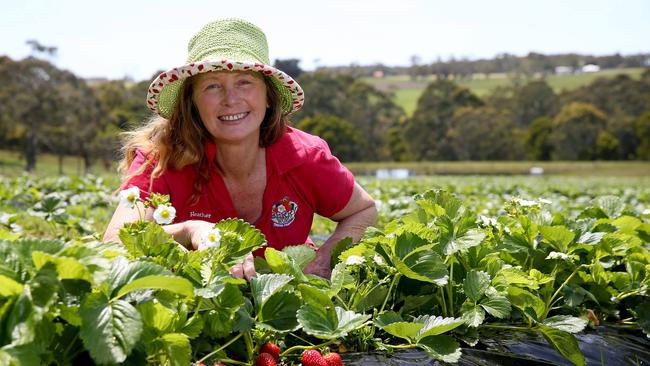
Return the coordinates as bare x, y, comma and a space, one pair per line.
142, 180
330, 182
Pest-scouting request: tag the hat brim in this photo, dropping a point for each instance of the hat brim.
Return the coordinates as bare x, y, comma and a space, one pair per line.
164, 90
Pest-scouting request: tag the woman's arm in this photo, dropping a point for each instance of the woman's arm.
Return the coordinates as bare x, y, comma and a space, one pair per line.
185, 233
359, 213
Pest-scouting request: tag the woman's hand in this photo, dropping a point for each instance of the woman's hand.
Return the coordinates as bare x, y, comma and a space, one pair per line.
196, 230
194, 234
353, 219
320, 266
244, 270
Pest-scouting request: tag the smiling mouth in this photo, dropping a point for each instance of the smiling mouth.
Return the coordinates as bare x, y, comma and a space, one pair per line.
233, 117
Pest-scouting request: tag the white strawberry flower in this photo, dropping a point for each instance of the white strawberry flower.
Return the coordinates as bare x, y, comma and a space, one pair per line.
557, 255
164, 214
525, 203
487, 221
211, 238
354, 260
378, 259
129, 196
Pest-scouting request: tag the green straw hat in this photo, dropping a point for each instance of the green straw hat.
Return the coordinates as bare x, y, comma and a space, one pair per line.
224, 45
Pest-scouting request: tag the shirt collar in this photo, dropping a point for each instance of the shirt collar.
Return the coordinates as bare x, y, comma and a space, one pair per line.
285, 154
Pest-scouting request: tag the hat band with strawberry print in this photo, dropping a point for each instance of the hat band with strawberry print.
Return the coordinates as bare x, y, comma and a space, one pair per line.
224, 45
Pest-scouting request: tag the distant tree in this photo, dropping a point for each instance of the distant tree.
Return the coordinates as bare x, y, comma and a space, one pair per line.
397, 145
124, 110
374, 114
645, 76
533, 100
369, 110
343, 138
290, 66
575, 132
538, 141
643, 136
607, 146
620, 95
48, 109
484, 133
622, 127
30, 103
426, 131
124, 102
38, 48
82, 117
325, 94
416, 70
502, 98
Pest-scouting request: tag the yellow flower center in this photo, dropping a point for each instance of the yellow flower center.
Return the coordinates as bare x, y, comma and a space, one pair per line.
164, 214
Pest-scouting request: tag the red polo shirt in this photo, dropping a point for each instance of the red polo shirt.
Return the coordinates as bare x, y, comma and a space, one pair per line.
302, 178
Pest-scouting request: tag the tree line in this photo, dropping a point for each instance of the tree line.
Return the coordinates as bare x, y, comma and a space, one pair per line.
608, 119
523, 66
46, 109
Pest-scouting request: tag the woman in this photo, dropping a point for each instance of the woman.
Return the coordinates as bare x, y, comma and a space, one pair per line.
220, 147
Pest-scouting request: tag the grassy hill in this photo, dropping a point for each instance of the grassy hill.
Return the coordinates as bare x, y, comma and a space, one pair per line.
407, 91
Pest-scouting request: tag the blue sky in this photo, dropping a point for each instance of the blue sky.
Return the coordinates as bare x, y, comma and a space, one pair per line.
118, 38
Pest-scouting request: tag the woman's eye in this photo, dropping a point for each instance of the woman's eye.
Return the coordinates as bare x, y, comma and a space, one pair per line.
212, 86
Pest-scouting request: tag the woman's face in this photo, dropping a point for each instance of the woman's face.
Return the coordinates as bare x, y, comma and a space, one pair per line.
232, 105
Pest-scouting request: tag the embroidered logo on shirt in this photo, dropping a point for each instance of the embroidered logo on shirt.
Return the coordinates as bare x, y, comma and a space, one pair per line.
200, 214
283, 212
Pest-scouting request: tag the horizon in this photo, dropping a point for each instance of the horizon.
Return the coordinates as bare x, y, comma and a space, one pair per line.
111, 42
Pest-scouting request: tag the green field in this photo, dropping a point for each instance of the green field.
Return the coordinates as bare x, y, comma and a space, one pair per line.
457, 268
565, 168
11, 164
408, 91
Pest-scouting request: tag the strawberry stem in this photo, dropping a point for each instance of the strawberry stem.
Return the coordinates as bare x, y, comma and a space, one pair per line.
296, 348
220, 348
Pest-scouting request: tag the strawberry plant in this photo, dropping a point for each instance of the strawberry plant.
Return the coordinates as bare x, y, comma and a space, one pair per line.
436, 275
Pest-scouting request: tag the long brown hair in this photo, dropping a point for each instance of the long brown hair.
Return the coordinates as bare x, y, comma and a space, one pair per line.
178, 141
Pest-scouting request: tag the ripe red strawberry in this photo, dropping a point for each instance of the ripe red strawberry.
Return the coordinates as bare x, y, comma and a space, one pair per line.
333, 359
312, 357
265, 359
272, 349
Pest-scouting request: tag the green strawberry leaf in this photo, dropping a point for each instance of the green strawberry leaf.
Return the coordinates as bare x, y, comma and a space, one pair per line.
279, 311
473, 315
435, 325
475, 284
423, 265
176, 348
328, 323
497, 306
302, 255
566, 323
265, 285
441, 347
565, 343
109, 330
123, 272
282, 263
173, 284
